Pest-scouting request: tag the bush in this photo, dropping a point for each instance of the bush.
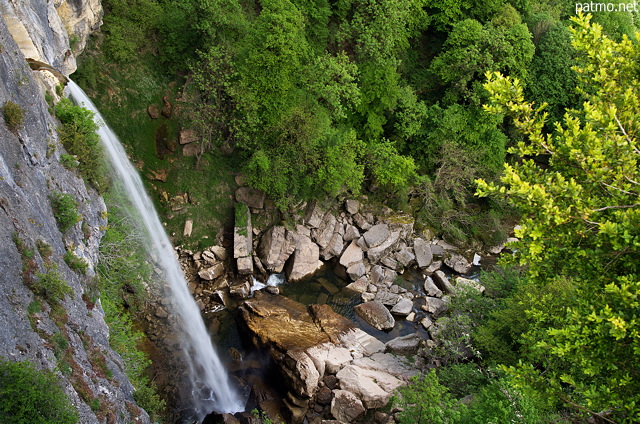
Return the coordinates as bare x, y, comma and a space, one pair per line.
29, 396
51, 286
69, 161
13, 116
75, 263
79, 137
64, 210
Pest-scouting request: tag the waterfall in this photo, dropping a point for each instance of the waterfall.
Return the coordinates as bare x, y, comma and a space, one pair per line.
210, 383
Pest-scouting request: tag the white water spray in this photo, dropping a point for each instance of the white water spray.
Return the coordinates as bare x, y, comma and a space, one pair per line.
210, 383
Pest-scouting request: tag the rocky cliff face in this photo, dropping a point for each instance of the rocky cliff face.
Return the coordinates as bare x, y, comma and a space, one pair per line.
72, 339
52, 32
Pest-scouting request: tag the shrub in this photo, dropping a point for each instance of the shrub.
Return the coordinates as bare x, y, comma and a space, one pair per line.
75, 263
13, 116
44, 249
29, 396
64, 210
69, 161
79, 137
51, 286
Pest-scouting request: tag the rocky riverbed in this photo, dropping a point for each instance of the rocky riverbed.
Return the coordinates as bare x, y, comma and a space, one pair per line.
332, 369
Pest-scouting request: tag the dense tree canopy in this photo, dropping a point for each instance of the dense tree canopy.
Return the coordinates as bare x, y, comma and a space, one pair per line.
578, 190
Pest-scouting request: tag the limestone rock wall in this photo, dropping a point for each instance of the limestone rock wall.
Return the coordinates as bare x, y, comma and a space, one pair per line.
30, 171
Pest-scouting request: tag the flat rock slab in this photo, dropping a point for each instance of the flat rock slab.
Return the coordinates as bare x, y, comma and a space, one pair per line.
373, 388
376, 314
376, 235
406, 345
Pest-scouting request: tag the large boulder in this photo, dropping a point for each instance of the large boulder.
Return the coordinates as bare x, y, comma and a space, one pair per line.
345, 406
253, 197
423, 253
402, 308
352, 206
314, 214
443, 282
304, 261
376, 314
276, 246
435, 306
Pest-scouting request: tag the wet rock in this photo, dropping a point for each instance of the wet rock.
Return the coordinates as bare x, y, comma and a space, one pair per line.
346, 407
458, 263
253, 197
240, 290
305, 260
375, 314
407, 345
430, 288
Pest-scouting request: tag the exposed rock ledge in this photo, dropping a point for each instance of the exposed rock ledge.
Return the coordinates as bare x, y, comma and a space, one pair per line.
332, 369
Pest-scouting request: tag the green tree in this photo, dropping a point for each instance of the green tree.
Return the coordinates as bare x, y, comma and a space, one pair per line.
581, 223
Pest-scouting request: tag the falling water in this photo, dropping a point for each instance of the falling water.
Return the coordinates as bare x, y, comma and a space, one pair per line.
209, 380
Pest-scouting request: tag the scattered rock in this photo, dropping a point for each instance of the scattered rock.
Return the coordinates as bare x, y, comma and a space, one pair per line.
373, 388
427, 323
240, 290
356, 271
323, 234
276, 246
188, 228
351, 233
375, 314
153, 111
359, 286
361, 222
245, 265
159, 175
313, 216
405, 257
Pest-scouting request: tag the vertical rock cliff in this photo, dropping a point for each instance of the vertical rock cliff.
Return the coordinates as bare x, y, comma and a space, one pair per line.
71, 337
